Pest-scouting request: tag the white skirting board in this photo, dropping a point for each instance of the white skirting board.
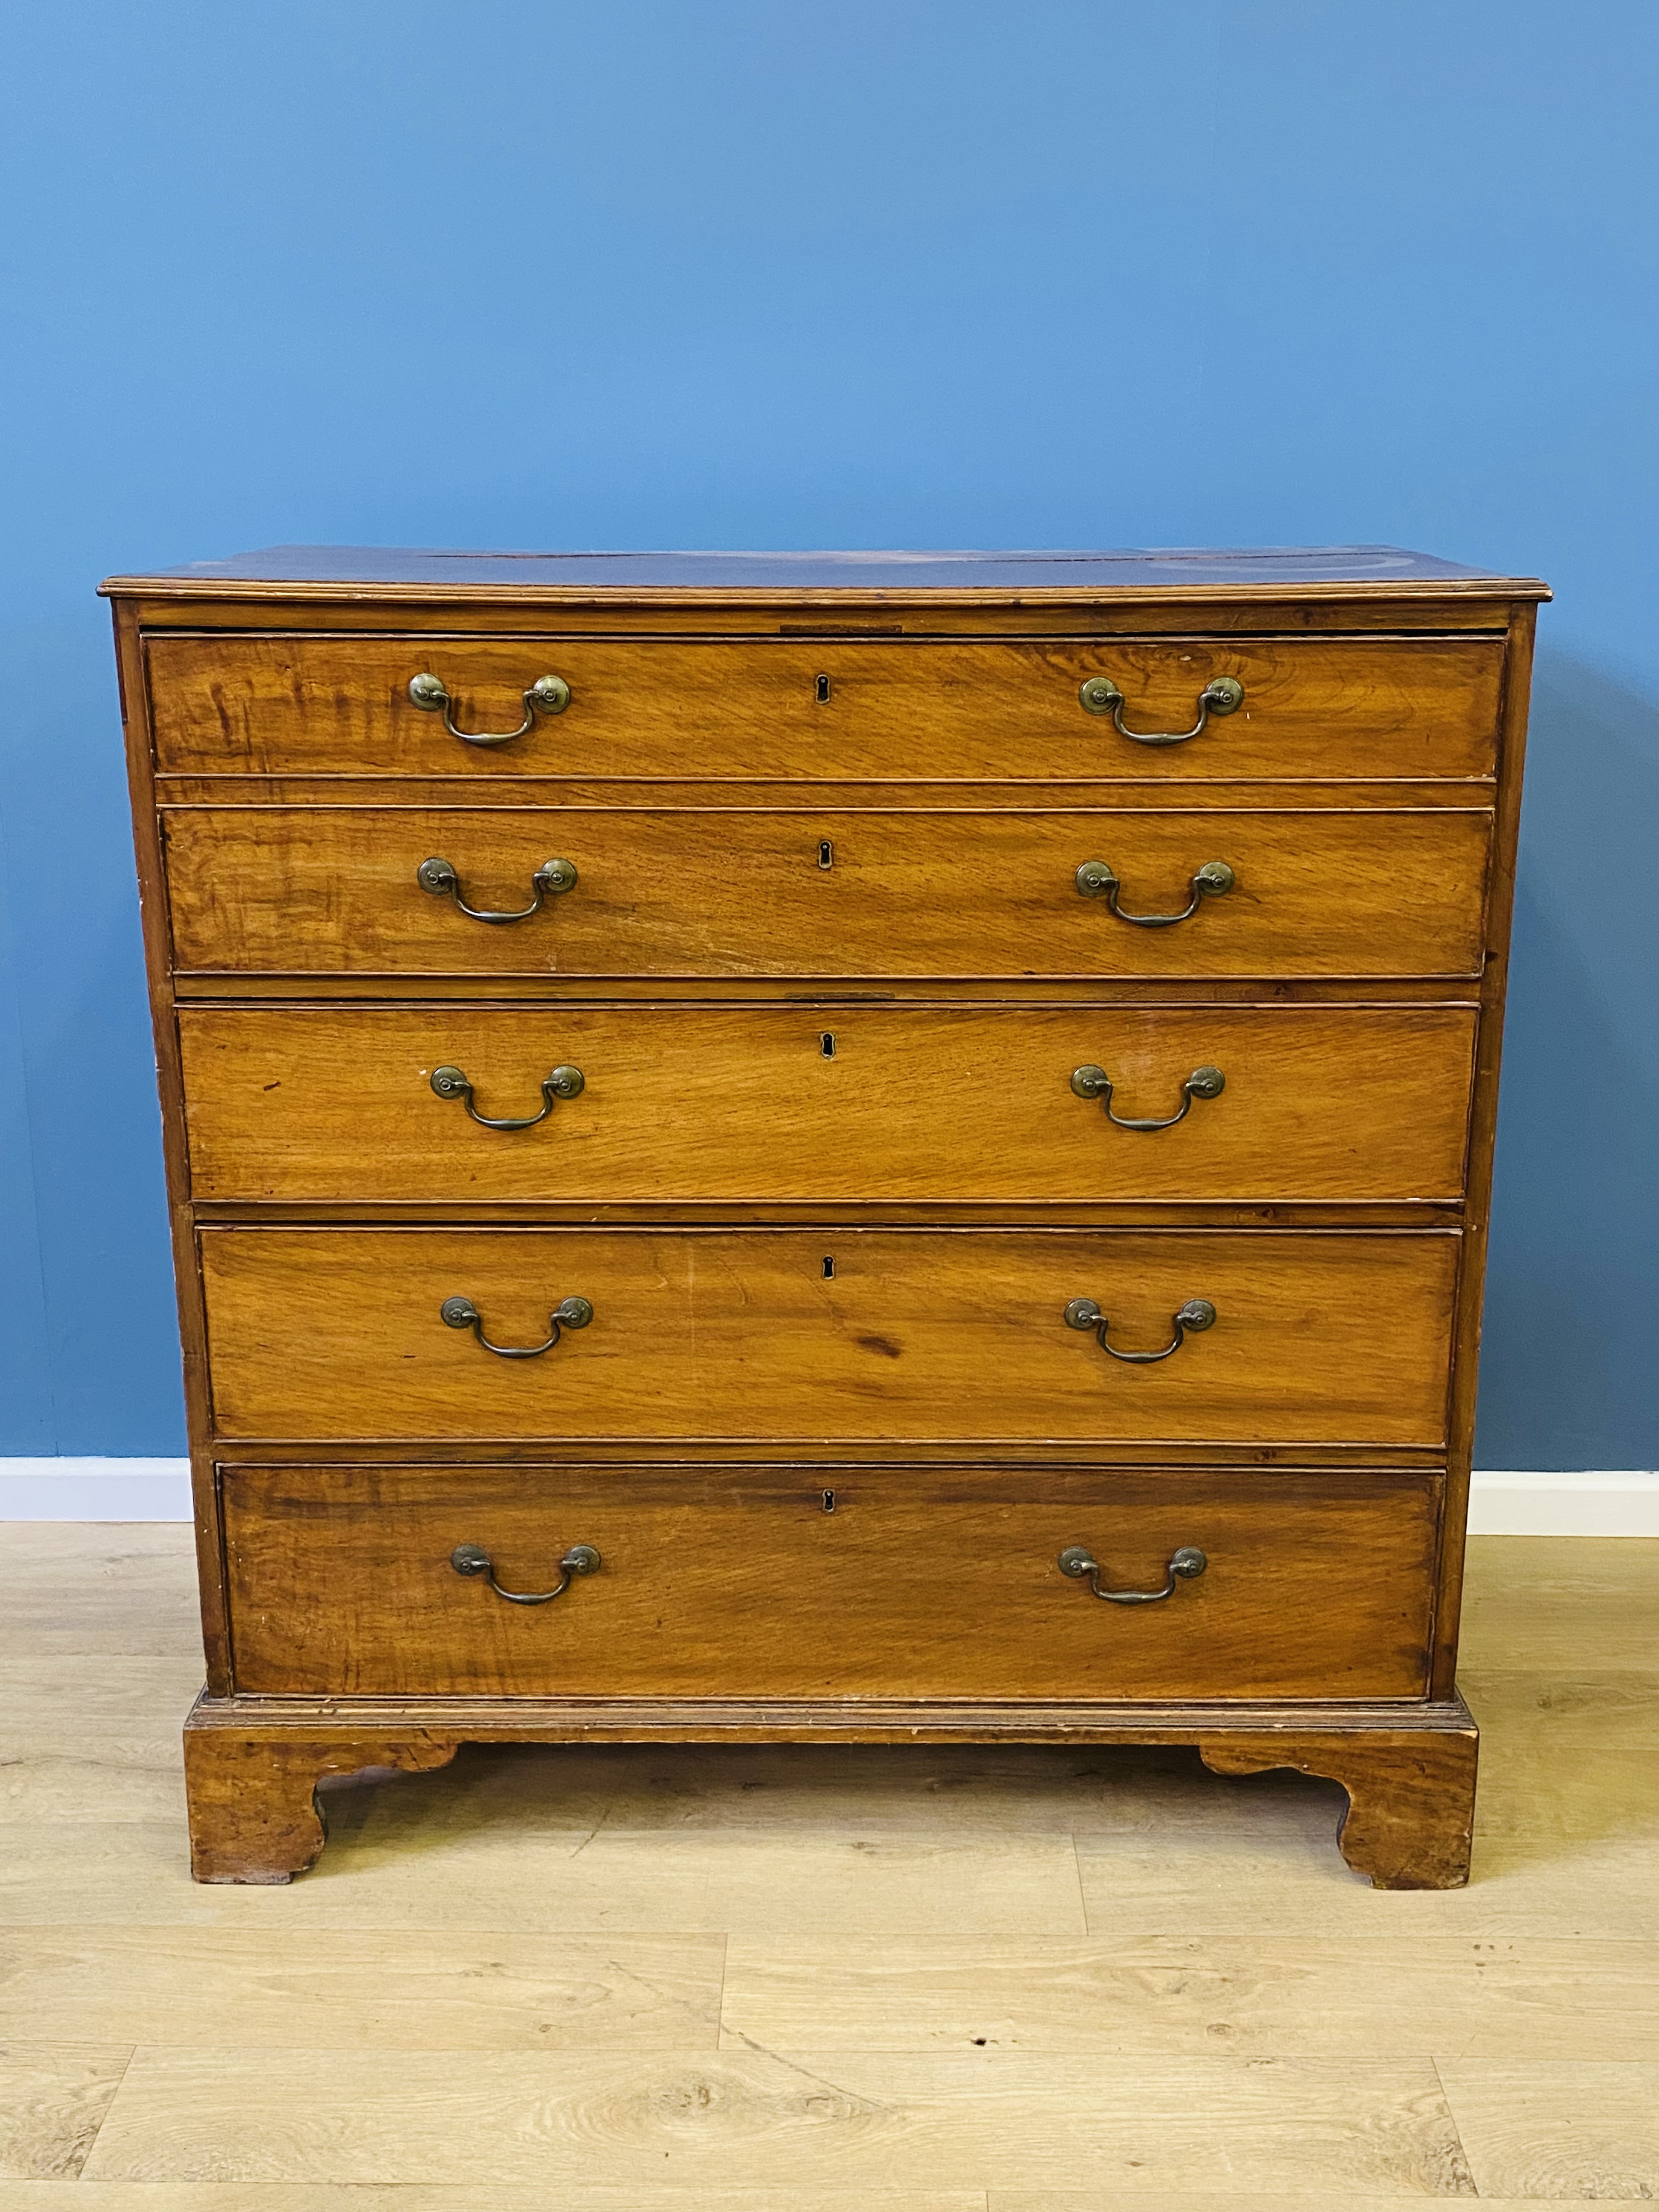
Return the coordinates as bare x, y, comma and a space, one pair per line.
1620, 1504
95, 1490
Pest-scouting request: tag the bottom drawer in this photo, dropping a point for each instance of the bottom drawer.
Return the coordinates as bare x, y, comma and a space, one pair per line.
804, 1582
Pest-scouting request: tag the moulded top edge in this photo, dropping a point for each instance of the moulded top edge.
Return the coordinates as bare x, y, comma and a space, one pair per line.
792, 579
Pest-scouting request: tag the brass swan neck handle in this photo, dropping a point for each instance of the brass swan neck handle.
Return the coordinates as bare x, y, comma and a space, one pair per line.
548, 694
1190, 1320
1185, 1565
562, 1083
1091, 1082
1096, 880
1098, 694
473, 1559
569, 1313
440, 877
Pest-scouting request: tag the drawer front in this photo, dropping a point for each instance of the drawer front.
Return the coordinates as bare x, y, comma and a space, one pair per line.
838, 1336
1365, 708
736, 1582
290, 891
944, 1105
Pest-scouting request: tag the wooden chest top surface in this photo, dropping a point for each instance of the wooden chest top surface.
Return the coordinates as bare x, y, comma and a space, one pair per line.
1086, 575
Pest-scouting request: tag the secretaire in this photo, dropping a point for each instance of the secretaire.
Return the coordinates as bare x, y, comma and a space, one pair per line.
873, 1146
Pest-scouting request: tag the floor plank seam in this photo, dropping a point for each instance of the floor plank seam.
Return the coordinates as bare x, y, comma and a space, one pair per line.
854, 2097
1456, 2126
1082, 1886
109, 2106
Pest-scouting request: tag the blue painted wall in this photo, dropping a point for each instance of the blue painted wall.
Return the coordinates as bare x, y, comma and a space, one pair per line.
855, 272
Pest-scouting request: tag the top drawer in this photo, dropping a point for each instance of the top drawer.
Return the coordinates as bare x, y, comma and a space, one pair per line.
827, 710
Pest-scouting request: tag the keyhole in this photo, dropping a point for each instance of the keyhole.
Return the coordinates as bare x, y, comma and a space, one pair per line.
827, 1043
829, 1271
826, 854
828, 1501
822, 689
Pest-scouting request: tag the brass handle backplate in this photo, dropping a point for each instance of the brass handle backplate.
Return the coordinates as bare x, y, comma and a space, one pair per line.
569, 1313
1185, 1565
1092, 1082
473, 1559
1098, 694
1095, 880
439, 878
548, 694
1197, 1315
562, 1083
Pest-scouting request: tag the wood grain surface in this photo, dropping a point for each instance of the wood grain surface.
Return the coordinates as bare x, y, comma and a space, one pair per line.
739, 1583
321, 891
916, 2119
342, 1987
1410, 1820
1266, 1996
1483, 1133
1337, 1338
1580, 2129
254, 1811
54, 2099
534, 2196
914, 1902
897, 708
947, 1104
784, 784
160, 976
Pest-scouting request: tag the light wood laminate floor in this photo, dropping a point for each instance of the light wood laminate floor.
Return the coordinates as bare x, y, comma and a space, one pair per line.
788, 1979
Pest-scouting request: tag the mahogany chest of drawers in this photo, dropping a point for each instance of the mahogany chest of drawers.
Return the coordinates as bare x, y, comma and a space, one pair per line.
889, 1147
